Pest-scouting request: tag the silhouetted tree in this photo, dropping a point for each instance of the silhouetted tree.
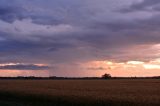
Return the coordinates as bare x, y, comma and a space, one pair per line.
106, 76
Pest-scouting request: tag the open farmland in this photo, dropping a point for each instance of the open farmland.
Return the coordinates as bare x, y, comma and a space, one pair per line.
122, 92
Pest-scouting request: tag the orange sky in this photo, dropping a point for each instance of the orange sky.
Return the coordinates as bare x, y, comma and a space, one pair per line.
95, 69
129, 68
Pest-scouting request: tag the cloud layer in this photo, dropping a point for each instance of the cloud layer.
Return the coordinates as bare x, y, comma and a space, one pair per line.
61, 33
23, 67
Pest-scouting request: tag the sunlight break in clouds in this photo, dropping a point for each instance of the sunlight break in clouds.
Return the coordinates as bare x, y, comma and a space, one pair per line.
130, 68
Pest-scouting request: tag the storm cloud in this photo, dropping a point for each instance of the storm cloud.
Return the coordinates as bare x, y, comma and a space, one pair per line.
144, 5
57, 32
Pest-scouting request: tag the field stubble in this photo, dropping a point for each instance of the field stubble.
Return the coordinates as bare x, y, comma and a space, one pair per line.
122, 92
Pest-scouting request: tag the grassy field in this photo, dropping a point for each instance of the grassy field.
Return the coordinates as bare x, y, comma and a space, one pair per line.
122, 92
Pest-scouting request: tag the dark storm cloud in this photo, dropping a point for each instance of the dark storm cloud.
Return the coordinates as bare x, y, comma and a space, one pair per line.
10, 14
24, 67
123, 33
41, 12
72, 31
22, 50
23, 46
145, 5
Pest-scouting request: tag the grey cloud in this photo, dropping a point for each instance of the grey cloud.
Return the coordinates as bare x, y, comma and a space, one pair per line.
145, 5
24, 67
98, 39
19, 51
98, 68
10, 14
45, 13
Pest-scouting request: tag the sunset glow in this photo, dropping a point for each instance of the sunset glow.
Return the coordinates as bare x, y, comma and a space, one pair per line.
132, 68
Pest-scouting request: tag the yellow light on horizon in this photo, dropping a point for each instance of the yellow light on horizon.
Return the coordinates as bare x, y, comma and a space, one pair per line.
151, 66
109, 63
135, 62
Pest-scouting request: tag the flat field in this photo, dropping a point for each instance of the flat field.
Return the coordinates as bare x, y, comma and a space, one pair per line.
118, 92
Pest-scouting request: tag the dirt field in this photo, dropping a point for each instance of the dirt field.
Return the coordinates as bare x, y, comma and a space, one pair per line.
123, 92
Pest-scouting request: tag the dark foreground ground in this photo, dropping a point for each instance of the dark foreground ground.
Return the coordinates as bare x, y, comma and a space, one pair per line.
122, 92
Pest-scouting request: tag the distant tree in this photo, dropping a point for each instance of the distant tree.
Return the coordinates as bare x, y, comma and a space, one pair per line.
106, 76
52, 77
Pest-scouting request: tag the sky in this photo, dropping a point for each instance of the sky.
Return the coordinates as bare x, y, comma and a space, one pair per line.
79, 38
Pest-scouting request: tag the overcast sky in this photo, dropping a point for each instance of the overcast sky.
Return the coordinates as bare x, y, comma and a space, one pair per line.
76, 37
